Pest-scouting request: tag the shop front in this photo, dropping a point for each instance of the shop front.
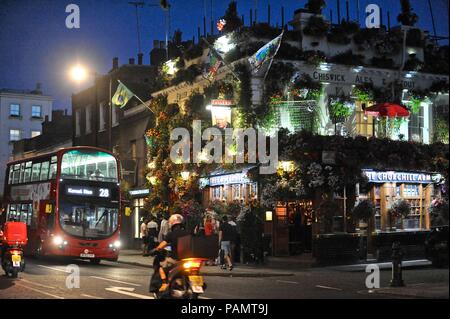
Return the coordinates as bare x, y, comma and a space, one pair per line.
416, 188
134, 214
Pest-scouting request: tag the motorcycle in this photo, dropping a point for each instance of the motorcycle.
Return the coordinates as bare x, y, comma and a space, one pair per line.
13, 261
184, 278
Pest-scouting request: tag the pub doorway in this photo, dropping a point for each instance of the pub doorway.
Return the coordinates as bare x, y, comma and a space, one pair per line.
300, 219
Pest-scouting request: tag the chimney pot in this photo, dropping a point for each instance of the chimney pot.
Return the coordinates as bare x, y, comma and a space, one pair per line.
155, 44
140, 58
131, 61
115, 63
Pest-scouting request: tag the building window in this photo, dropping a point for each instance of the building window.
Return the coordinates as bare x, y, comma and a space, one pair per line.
36, 111
88, 119
14, 110
102, 124
364, 123
15, 135
35, 133
133, 149
77, 123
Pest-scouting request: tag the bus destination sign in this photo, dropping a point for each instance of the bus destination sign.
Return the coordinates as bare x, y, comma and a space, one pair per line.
88, 191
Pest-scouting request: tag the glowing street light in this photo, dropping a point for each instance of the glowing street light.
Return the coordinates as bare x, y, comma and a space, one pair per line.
78, 73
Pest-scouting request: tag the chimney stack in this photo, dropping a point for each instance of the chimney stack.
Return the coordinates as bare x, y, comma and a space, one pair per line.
131, 61
155, 44
115, 63
140, 58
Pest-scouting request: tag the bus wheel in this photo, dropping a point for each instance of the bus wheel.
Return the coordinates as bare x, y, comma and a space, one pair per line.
94, 261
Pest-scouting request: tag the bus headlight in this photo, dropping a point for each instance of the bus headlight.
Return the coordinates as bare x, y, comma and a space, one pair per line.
57, 240
116, 244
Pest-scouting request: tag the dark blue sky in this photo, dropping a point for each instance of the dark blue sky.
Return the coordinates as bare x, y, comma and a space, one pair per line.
35, 45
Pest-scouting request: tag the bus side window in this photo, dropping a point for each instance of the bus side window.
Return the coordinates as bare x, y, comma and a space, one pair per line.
36, 172
12, 212
44, 171
52, 172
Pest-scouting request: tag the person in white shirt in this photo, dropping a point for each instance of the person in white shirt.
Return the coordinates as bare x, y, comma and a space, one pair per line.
144, 236
165, 227
152, 233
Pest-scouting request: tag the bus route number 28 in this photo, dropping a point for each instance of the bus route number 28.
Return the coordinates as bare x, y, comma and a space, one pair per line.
104, 192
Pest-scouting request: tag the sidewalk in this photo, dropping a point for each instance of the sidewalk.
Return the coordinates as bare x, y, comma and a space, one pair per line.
383, 265
135, 258
431, 291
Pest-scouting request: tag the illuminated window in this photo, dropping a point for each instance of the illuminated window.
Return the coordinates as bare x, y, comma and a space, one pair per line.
364, 123
36, 111
35, 133
14, 110
15, 135
102, 114
88, 119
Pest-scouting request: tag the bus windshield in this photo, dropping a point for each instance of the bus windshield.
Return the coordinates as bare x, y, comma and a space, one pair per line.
89, 165
88, 220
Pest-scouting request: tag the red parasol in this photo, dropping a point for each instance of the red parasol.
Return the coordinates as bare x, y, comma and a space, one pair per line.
387, 109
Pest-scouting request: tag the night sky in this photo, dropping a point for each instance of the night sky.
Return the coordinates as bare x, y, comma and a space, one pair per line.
36, 46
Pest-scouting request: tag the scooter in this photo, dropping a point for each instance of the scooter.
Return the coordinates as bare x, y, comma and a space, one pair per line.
184, 278
13, 261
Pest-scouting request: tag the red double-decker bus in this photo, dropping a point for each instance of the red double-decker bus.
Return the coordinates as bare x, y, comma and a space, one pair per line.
70, 200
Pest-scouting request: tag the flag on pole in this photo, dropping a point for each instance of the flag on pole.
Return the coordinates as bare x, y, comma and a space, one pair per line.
214, 66
122, 96
266, 53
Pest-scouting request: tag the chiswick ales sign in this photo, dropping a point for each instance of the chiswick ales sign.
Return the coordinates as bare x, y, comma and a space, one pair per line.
400, 177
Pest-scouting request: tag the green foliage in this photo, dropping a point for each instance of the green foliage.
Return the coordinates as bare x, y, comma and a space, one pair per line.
439, 87
383, 62
313, 57
441, 130
363, 92
348, 58
366, 35
400, 208
338, 36
339, 110
251, 226
315, 6
364, 210
232, 18
413, 64
186, 75
439, 212
407, 16
316, 27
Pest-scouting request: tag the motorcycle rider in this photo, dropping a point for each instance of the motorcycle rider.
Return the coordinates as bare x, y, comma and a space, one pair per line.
177, 231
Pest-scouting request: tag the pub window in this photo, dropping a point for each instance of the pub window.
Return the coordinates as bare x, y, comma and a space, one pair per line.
237, 191
27, 177
44, 171
36, 172
26, 213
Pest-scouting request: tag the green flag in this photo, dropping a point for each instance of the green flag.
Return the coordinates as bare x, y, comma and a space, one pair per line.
122, 96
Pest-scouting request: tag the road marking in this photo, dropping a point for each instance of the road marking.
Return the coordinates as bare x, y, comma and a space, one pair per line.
118, 281
40, 291
37, 284
92, 297
128, 292
326, 287
287, 282
56, 269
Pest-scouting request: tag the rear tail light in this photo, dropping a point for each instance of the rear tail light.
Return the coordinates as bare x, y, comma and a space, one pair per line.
192, 264
15, 252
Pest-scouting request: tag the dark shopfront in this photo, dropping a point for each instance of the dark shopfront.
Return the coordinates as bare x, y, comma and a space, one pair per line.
134, 214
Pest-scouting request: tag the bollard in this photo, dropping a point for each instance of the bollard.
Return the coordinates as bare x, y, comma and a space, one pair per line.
397, 256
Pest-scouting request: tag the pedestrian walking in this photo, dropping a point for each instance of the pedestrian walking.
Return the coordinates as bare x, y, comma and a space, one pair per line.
152, 233
234, 236
164, 227
144, 236
225, 239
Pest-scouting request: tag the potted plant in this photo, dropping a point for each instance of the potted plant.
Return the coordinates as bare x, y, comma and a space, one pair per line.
327, 210
399, 209
363, 211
